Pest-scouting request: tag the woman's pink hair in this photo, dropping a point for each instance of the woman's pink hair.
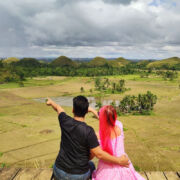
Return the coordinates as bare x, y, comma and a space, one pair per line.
107, 120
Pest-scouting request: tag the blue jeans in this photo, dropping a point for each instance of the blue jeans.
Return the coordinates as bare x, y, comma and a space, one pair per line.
61, 175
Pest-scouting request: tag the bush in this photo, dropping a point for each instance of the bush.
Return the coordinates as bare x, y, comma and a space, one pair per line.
141, 104
82, 89
21, 84
98, 104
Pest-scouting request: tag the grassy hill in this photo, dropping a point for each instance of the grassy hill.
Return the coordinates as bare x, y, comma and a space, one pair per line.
143, 63
97, 61
63, 61
10, 60
29, 62
122, 61
113, 63
170, 62
118, 62
100, 61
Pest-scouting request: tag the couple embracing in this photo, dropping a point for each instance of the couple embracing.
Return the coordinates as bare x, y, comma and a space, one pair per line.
80, 144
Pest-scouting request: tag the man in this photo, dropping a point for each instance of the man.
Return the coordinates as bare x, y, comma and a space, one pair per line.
78, 141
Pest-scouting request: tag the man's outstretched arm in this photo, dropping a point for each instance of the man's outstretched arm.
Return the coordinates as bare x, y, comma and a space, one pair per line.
55, 106
100, 154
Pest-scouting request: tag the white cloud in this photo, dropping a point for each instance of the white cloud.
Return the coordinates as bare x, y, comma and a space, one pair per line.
131, 28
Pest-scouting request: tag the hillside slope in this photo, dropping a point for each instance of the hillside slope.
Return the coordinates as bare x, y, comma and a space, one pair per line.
166, 63
97, 62
10, 60
118, 62
63, 61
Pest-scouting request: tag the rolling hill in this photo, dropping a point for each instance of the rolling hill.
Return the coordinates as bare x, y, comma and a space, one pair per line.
122, 61
63, 61
144, 63
10, 60
166, 63
28, 62
97, 62
118, 62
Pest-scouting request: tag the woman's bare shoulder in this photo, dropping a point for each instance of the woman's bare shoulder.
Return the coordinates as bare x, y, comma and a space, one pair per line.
117, 130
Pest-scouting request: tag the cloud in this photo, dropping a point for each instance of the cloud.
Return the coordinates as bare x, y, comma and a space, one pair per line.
11, 30
89, 27
118, 1
64, 2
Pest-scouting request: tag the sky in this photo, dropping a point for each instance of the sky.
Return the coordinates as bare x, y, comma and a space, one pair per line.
134, 29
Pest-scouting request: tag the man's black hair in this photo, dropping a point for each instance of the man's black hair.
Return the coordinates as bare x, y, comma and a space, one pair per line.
80, 106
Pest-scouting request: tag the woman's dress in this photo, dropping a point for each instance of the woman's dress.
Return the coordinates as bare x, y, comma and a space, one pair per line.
108, 171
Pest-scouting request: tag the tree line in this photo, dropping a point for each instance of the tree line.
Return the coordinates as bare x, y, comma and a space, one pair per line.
31, 67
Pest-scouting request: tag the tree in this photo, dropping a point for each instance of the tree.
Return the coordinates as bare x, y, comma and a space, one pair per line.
171, 75
146, 101
98, 83
128, 104
98, 104
82, 89
1, 64
120, 87
106, 83
28, 62
113, 103
21, 84
141, 103
113, 87
8, 76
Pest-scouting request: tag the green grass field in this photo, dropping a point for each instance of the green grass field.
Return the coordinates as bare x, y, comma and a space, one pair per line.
30, 134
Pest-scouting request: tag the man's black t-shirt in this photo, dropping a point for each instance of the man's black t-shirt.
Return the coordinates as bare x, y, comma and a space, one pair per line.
77, 138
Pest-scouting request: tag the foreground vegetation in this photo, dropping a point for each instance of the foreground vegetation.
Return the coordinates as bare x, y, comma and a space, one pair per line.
29, 131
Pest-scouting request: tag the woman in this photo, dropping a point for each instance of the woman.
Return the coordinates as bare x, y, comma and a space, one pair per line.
111, 139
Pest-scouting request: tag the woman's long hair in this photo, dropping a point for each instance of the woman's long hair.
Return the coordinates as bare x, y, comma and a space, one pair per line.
107, 120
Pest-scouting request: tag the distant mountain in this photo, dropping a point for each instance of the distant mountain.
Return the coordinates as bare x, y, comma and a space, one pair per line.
166, 63
63, 61
10, 60
97, 62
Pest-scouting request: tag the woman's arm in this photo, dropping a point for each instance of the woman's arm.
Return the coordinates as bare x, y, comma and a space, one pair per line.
90, 109
55, 106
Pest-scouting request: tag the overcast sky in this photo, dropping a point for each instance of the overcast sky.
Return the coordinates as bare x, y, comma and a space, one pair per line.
140, 29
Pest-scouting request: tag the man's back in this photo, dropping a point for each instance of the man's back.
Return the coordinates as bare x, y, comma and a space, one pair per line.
77, 138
